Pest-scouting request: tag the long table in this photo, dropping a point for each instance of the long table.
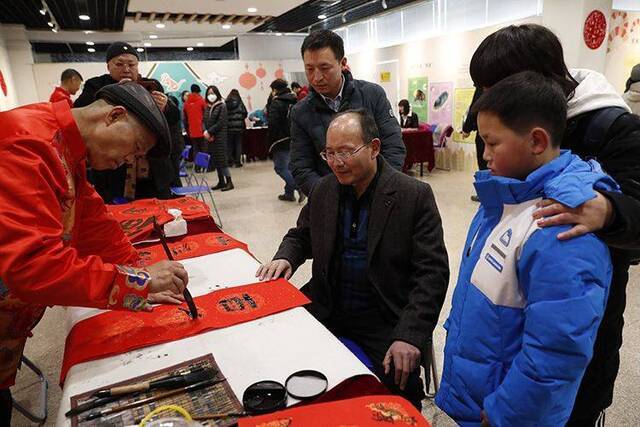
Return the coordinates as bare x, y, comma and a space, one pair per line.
272, 347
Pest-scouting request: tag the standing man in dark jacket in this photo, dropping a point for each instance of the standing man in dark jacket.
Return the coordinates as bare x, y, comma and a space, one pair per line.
614, 217
470, 124
333, 89
236, 113
147, 178
279, 136
380, 268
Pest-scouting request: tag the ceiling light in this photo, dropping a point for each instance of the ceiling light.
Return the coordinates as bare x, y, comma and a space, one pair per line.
384, 4
43, 12
189, 49
252, 10
278, 34
199, 44
226, 26
160, 25
153, 36
84, 17
140, 49
147, 44
50, 24
90, 43
323, 16
88, 31
55, 30
91, 50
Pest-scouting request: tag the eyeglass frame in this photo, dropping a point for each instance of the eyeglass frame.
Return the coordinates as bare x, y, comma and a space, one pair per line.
349, 155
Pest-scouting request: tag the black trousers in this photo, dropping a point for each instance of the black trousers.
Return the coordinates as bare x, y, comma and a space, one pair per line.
6, 405
234, 148
373, 334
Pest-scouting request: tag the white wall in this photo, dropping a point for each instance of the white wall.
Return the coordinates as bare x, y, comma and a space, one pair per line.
263, 47
624, 47
20, 58
10, 100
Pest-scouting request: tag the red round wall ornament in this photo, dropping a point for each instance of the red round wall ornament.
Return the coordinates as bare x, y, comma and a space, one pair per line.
3, 84
595, 29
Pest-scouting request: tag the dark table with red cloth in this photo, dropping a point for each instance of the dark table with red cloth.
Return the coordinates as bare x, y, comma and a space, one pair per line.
419, 144
254, 143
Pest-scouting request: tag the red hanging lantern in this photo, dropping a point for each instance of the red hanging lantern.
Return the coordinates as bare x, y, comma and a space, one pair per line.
246, 79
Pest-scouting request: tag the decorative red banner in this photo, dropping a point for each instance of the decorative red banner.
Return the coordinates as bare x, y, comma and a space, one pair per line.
189, 246
117, 332
361, 411
136, 218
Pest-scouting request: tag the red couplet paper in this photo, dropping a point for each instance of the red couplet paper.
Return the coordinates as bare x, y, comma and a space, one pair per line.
361, 411
136, 218
189, 246
117, 332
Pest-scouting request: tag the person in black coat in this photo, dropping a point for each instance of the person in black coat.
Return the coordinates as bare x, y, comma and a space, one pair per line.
122, 63
408, 119
613, 216
471, 124
236, 113
215, 124
279, 136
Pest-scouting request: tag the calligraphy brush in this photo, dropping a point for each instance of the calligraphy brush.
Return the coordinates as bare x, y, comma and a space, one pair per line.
193, 311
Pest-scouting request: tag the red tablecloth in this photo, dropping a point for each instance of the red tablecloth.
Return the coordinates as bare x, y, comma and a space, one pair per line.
254, 143
419, 144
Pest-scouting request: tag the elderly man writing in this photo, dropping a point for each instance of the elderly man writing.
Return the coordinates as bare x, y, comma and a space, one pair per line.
58, 245
380, 268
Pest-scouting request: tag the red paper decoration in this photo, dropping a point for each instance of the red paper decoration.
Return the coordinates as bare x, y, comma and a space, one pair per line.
595, 28
261, 72
279, 72
3, 84
246, 79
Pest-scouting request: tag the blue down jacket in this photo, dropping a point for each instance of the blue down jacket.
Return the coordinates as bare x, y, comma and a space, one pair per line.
527, 306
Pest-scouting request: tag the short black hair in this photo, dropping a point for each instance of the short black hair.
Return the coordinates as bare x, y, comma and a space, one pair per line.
278, 85
367, 123
70, 73
195, 88
517, 48
321, 39
295, 85
404, 104
526, 100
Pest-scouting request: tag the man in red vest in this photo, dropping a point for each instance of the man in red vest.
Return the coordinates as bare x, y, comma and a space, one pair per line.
193, 114
70, 82
58, 244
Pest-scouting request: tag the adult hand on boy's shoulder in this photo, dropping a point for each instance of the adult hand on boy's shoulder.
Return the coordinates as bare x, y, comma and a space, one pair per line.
593, 215
484, 419
405, 358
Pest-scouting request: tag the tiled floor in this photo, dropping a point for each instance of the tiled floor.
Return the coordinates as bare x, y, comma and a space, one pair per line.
253, 214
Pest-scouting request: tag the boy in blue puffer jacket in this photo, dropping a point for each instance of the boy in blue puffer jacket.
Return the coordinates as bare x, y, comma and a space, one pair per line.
527, 306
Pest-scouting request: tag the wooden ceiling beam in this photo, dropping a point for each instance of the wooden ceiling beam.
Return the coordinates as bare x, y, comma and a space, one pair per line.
166, 17
192, 18
152, 16
236, 19
217, 19
204, 18
137, 17
178, 17
228, 19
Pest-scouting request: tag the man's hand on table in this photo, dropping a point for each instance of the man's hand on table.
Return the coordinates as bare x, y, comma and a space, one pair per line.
167, 278
405, 358
274, 269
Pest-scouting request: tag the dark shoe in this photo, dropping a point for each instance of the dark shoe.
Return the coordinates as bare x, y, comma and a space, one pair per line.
287, 198
301, 197
219, 186
475, 198
229, 185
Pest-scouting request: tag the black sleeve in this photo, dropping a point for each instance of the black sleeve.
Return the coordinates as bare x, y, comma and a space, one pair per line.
415, 123
471, 121
620, 158
392, 146
244, 110
88, 94
296, 244
303, 155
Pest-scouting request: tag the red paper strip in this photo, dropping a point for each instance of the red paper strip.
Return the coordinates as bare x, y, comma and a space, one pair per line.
189, 246
361, 411
136, 218
117, 332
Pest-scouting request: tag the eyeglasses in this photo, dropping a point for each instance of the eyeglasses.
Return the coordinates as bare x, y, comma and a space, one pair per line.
343, 156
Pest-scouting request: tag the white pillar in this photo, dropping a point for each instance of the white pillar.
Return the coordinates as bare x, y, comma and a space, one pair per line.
20, 59
566, 18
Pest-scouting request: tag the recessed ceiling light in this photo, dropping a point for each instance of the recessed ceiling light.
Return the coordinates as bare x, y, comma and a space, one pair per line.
91, 50
160, 25
140, 49
226, 26
88, 32
147, 44
323, 16
189, 49
84, 17
199, 44
43, 12
50, 24
278, 34
252, 10
153, 36
90, 43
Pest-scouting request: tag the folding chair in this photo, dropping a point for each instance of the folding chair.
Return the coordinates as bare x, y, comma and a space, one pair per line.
186, 167
41, 416
441, 136
201, 185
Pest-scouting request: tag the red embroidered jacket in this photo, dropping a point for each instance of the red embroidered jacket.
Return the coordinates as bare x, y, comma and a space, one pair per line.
60, 94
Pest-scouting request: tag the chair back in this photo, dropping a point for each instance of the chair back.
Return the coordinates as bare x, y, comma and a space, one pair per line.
185, 152
202, 160
441, 136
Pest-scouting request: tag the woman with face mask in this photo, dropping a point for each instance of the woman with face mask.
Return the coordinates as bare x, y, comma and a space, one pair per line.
215, 124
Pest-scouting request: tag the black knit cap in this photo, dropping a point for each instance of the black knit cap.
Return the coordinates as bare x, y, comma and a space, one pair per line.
138, 101
118, 48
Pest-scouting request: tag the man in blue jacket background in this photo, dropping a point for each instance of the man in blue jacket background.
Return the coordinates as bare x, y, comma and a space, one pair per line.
527, 306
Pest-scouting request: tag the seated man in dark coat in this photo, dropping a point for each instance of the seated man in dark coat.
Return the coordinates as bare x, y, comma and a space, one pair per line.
380, 268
